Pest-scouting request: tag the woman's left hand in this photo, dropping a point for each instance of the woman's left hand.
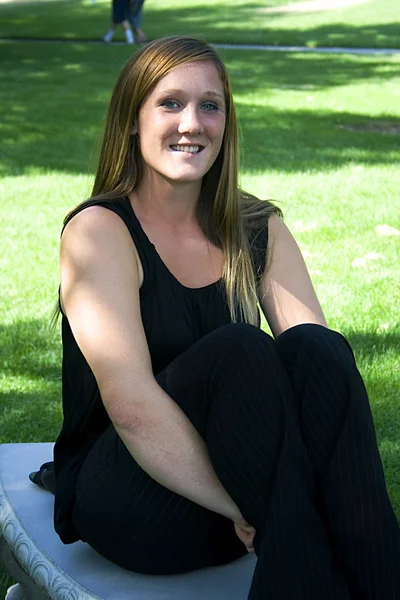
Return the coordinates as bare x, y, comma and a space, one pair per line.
246, 535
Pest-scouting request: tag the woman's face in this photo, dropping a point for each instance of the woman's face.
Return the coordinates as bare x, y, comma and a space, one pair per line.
182, 122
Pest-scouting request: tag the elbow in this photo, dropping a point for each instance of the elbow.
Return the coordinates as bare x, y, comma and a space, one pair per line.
130, 421
125, 416
129, 413
130, 404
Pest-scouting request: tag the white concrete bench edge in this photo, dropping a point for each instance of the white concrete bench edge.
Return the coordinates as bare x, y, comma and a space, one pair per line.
35, 563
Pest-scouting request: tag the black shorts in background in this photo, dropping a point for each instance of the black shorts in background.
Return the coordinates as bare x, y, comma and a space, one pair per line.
121, 10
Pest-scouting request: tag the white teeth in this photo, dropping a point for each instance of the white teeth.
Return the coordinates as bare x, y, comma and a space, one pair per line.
191, 149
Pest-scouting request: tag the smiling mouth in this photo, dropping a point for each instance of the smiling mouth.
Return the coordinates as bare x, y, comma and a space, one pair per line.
191, 149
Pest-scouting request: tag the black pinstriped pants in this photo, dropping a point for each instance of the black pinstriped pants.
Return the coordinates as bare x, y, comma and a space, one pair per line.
290, 434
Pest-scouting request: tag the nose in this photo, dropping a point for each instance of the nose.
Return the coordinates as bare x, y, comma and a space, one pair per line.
190, 121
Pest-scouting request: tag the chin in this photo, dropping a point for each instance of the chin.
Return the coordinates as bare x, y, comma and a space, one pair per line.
186, 177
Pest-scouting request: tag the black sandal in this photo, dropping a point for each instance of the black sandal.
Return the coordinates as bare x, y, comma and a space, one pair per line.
45, 477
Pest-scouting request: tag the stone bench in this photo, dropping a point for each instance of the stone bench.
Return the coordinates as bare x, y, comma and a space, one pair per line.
45, 568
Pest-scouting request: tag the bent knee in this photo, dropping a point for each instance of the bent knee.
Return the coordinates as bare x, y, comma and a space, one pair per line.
317, 340
244, 333
241, 341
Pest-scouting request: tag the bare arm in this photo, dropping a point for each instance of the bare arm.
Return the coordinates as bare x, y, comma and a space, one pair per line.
287, 295
100, 295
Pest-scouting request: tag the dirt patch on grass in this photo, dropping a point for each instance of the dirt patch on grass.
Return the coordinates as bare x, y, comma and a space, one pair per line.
376, 126
310, 6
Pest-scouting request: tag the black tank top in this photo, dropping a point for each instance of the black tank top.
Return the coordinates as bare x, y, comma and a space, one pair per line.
174, 317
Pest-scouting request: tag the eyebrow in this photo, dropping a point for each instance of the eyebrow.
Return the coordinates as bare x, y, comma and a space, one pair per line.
177, 91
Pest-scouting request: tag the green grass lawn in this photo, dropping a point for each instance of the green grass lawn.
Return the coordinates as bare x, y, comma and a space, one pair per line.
374, 23
319, 136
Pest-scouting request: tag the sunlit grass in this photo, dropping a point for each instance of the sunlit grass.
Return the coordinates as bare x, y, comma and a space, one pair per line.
373, 23
307, 142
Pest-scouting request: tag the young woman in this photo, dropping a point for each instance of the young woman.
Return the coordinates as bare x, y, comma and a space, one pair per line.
190, 436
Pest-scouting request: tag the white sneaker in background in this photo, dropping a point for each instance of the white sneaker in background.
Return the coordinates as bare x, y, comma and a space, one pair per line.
129, 37
108, 37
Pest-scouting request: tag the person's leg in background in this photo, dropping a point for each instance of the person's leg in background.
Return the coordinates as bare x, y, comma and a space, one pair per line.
136, 20
120, 15
338, 430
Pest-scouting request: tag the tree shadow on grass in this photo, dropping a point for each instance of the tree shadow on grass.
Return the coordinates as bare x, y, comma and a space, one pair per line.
5, 581
239, 23
30, 349
55, 107
247, 24
30, 416
311, 140
370, 344
383, 387
254, 71
30, 362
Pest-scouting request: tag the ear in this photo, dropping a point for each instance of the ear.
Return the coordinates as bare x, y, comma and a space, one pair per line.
134, 129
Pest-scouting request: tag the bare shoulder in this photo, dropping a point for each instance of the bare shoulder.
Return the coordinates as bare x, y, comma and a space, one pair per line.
94, 221
282, 245
277, 229
96, 232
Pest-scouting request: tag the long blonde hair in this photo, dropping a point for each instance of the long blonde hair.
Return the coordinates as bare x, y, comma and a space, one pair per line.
226, 215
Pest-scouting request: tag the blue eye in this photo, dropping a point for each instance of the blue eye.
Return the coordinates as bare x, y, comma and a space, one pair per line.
169, 104
209, 106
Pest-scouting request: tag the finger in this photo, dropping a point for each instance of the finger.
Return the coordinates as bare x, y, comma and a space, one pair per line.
248, 529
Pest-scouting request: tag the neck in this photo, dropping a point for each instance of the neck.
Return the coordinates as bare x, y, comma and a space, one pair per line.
166, 201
